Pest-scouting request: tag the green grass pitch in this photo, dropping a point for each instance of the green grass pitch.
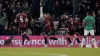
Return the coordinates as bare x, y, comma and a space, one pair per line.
49, 51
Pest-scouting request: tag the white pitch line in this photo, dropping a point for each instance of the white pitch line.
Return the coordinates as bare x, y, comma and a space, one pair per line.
47, 54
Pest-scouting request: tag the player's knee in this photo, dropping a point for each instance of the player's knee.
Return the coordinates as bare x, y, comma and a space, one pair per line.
67, 35
75, 35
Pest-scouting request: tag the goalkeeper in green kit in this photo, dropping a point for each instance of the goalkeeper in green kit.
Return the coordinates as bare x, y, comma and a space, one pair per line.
89, 27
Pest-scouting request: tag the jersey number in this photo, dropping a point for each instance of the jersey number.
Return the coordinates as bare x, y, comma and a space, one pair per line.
21, 19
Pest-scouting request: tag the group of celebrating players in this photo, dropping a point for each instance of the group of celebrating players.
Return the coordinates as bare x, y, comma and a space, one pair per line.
88, 23
89, 28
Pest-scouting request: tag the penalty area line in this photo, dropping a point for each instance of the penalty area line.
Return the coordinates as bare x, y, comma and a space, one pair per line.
29, 53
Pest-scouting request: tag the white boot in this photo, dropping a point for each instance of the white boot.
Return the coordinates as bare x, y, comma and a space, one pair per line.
46, 45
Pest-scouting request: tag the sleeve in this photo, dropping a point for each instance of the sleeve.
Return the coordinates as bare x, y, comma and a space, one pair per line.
93, 19
84, 20
26, 19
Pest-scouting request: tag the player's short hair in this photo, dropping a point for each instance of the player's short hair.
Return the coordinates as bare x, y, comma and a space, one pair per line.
89, 13
20, 11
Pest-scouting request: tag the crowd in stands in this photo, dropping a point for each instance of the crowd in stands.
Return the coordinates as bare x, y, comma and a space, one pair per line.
58, 16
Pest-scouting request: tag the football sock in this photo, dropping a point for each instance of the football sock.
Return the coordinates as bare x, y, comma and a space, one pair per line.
94, 42
83, 40
77, 39
26, 37
69, 40
23, 39
71, 44
46, 42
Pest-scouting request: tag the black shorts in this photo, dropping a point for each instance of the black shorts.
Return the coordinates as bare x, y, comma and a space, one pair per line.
22, 29
71, 32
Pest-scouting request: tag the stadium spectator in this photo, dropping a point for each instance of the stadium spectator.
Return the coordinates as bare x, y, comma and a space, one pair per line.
98, 22
3, 19
56, 9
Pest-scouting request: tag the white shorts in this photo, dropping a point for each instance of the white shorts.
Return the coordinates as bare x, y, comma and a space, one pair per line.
86, 32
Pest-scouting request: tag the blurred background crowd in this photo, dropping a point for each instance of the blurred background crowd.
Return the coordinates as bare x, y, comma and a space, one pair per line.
60, 16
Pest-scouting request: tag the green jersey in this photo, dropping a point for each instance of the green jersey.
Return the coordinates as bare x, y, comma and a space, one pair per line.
89, 22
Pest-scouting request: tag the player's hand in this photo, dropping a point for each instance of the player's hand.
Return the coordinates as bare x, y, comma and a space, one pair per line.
94, 31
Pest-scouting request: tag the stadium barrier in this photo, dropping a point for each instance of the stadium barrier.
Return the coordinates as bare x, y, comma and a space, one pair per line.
38, 41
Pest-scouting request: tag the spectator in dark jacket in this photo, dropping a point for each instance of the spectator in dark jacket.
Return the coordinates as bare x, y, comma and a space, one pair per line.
3, 20
57, 11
